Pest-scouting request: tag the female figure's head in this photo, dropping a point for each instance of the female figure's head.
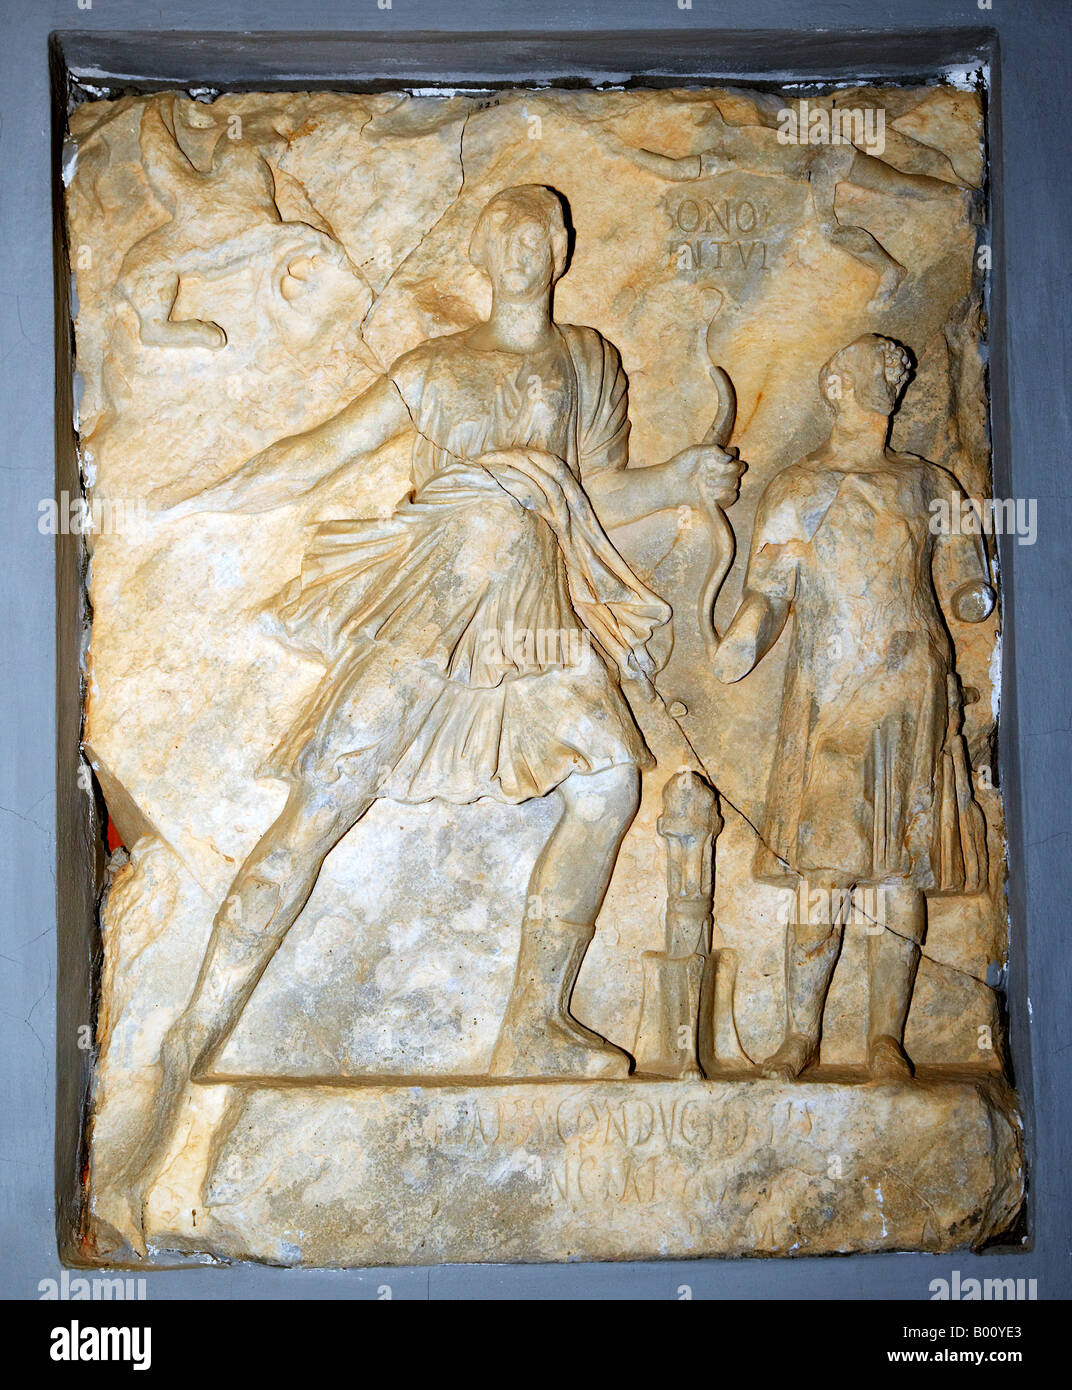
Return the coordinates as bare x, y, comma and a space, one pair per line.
520, 240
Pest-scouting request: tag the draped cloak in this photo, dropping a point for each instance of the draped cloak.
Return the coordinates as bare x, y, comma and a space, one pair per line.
474, 639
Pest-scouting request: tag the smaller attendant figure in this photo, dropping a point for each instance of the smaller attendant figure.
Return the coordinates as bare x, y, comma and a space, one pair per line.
870, 786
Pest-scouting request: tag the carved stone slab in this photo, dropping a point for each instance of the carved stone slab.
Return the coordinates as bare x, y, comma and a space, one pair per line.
543, 677
552, 1172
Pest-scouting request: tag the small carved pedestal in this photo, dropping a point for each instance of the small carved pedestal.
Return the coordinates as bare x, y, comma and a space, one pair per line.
687, 1028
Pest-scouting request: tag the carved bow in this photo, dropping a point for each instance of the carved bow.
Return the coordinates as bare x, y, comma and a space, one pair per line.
723, 541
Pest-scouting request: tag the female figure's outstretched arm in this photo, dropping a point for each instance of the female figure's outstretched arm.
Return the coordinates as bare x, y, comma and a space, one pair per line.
297, 465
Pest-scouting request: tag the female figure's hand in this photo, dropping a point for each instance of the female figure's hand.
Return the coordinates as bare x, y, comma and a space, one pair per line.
710, 471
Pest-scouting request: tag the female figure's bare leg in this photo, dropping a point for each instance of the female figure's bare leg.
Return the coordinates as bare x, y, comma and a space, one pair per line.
264, 900
539, 1035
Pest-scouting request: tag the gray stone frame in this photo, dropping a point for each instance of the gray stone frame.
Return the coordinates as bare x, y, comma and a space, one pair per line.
50, 853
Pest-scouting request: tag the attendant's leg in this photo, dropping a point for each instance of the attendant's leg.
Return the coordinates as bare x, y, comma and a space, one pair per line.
812, 949
264, 900
892, 961
539, 1035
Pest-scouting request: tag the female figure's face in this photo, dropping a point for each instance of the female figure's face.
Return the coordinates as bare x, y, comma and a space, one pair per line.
520, 257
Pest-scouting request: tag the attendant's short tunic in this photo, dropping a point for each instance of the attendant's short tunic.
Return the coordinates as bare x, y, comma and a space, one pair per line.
863, 782
473, 643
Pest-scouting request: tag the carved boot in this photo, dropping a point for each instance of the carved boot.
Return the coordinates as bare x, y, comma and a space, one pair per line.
892, 961
809, 967
539, 1036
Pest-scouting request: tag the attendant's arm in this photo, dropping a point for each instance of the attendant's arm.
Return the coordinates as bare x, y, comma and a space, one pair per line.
293, 467
770, 585
755, 628
959, 555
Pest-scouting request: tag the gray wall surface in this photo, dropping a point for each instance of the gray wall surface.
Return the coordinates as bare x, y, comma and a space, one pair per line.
47, 831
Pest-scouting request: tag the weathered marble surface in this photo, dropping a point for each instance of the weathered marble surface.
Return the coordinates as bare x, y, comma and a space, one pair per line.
556, 1172
402, 961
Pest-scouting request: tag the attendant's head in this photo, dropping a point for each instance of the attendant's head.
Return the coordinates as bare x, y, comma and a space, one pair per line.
871, 372
521, 240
